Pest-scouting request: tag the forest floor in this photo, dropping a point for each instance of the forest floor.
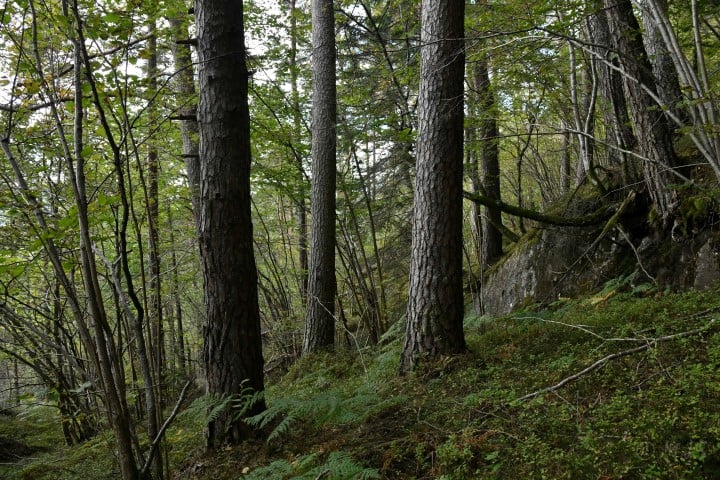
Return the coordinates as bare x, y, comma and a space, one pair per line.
622, 384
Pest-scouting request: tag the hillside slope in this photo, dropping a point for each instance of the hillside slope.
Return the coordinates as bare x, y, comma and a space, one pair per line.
622, 384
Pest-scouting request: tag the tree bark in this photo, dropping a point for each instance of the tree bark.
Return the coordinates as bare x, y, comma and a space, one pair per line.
492, 248
620, 136
185, 87
663, 67
322, 286
435, 305
155, 313
301, 204
233, 345
651, 126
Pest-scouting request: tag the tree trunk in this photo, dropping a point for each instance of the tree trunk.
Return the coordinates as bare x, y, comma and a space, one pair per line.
488, 133
663, 67
435, 305
301, 204
155, 313
233, 345
322, 286
619, 137
651, 126
185, 86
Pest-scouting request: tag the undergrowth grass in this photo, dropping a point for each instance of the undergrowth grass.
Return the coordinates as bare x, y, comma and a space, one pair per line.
651, 414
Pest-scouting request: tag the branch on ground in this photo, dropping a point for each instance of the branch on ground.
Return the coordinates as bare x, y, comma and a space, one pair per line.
650, 343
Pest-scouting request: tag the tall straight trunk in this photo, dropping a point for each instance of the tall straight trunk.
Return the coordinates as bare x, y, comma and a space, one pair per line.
155, 313
301, 204
110, 363
189, 131
488, 134
565, 169
179, 330
435, 306
322, 286
619, 134
651, 127
233, 344
185, 88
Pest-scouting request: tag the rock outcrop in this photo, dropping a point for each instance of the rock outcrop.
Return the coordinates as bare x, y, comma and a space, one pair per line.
552, 262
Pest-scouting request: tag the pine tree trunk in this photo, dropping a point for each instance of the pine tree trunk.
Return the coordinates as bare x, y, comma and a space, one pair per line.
233, 347
619, 138
322, 287
435, 305
492, 249
185, 86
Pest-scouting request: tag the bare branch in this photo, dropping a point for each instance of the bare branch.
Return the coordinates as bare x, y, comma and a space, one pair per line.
651, 342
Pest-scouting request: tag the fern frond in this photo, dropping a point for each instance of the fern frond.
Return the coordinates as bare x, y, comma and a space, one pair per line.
282, 428
337, 466
207, 407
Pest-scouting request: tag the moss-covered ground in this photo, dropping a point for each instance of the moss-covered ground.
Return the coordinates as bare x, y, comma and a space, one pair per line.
650, 410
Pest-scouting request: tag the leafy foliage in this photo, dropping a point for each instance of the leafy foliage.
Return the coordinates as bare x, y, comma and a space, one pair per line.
329, 407
210, 406
337, 466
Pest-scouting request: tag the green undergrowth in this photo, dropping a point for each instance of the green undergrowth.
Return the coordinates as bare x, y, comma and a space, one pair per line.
651, 408
40, 452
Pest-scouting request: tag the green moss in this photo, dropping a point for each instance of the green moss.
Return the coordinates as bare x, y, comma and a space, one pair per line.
653, 414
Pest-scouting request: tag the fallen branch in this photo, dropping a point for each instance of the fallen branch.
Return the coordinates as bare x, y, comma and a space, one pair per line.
161, 433
651, 342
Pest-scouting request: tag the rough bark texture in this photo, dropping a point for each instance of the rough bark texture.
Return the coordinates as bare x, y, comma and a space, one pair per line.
651, 126
492, 249
185, 88
320, 320
154, 394
301, 206
435, 305
619, 137
233, 347
663, 67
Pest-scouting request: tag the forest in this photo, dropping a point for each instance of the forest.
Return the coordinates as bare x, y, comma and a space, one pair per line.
357, 239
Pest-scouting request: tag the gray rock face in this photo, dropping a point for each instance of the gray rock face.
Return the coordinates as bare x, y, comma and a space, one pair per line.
707, 266
564, 262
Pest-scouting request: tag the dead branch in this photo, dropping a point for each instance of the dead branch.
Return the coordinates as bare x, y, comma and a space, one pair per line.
651, 342
592, 219
161, 433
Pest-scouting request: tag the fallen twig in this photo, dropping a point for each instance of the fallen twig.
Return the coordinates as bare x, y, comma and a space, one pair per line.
651, 342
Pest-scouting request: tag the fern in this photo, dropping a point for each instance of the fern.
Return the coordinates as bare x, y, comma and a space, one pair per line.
331, 407
279, 469
245, 401
337, 466
210, 406
207, 408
